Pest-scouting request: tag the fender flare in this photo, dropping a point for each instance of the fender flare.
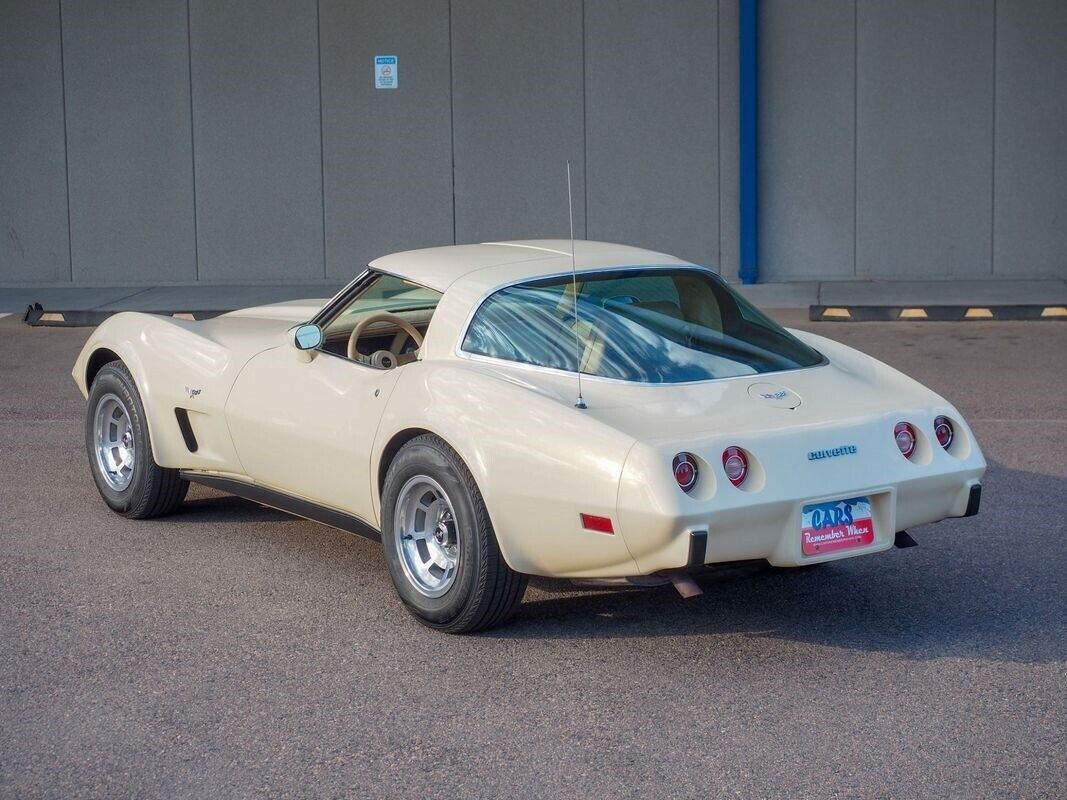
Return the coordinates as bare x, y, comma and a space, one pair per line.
127, 354
387, 446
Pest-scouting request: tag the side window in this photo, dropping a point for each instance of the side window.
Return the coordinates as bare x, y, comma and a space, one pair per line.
381, 318
525, 324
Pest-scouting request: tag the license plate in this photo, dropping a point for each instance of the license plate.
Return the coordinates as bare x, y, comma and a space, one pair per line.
836, 525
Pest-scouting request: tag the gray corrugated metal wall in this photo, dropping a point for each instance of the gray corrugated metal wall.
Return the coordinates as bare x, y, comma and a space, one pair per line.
34, 237
170, 141
913, 138
129, 147
1030, 138
387, 155
652, 132
257, 141
924, 137
517, 116
807, 122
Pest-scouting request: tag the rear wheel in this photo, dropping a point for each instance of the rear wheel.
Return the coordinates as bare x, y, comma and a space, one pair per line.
439, 544
120, 450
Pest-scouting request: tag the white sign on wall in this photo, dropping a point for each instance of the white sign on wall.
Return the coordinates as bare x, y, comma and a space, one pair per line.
385, 76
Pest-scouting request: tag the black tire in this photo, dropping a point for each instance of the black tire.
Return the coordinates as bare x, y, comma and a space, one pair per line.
152, 490
485, 591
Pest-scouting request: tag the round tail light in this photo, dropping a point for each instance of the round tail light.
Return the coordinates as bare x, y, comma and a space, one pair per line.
735, 465
685, 471
943, 431
905, 436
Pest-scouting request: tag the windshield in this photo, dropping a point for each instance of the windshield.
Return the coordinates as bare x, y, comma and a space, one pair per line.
389, 293
640, 324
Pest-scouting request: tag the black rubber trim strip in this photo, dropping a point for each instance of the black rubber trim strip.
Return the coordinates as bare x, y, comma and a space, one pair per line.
974, 499
286, 503
341, 300
698, 549
903, 539
186, 429
933, 313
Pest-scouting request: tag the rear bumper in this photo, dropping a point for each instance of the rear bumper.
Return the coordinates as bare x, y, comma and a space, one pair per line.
771, 530
762, 518
974, 499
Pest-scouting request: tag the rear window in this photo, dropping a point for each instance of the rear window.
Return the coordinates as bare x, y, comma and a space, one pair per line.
642, 325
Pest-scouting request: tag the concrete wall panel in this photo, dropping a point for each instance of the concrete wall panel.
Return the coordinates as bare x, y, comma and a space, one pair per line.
1030, 216
255, 79
807, 139
244, 141
128, 141
924, 138
387, 153
729, 261
652, 127
33, 178
517, 117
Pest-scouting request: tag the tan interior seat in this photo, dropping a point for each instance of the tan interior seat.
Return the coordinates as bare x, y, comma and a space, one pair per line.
696, 304
665, 307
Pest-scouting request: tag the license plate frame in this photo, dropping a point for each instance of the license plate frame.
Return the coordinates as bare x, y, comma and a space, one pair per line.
832, 526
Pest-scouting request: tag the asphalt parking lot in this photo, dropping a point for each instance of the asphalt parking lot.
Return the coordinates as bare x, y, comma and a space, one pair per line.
233, 651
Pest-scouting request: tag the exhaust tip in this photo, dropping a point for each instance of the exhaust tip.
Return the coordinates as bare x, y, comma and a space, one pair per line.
684, 584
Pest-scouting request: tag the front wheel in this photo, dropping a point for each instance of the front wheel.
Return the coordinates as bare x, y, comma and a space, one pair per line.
439, 544
120, 450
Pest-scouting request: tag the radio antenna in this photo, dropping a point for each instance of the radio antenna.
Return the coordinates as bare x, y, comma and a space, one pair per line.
574, 294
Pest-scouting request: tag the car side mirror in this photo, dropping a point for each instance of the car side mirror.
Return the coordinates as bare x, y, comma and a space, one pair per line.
306, 338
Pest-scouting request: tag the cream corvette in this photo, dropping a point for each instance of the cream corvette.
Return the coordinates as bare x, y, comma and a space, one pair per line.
495, 411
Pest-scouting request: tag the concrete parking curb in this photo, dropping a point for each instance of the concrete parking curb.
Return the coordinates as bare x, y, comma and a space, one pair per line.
37, 316
1012, 313
826, 300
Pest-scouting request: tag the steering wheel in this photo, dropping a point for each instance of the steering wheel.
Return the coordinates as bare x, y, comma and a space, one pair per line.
381, 316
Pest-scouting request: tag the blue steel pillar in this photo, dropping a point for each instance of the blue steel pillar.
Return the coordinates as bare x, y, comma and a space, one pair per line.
748, 49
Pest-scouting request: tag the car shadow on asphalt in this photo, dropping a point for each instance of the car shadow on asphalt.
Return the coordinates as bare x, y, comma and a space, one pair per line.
214, 506
987, 587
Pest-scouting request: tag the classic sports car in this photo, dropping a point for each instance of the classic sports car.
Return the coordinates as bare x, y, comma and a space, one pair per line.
502, 410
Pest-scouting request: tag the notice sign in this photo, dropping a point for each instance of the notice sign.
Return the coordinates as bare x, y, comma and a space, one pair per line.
385, 72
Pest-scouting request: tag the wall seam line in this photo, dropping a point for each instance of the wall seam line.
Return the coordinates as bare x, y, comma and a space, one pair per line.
452, 118
322, 134
192, 136
66, 146
585, 139
855, 138
993, 158
718, 130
